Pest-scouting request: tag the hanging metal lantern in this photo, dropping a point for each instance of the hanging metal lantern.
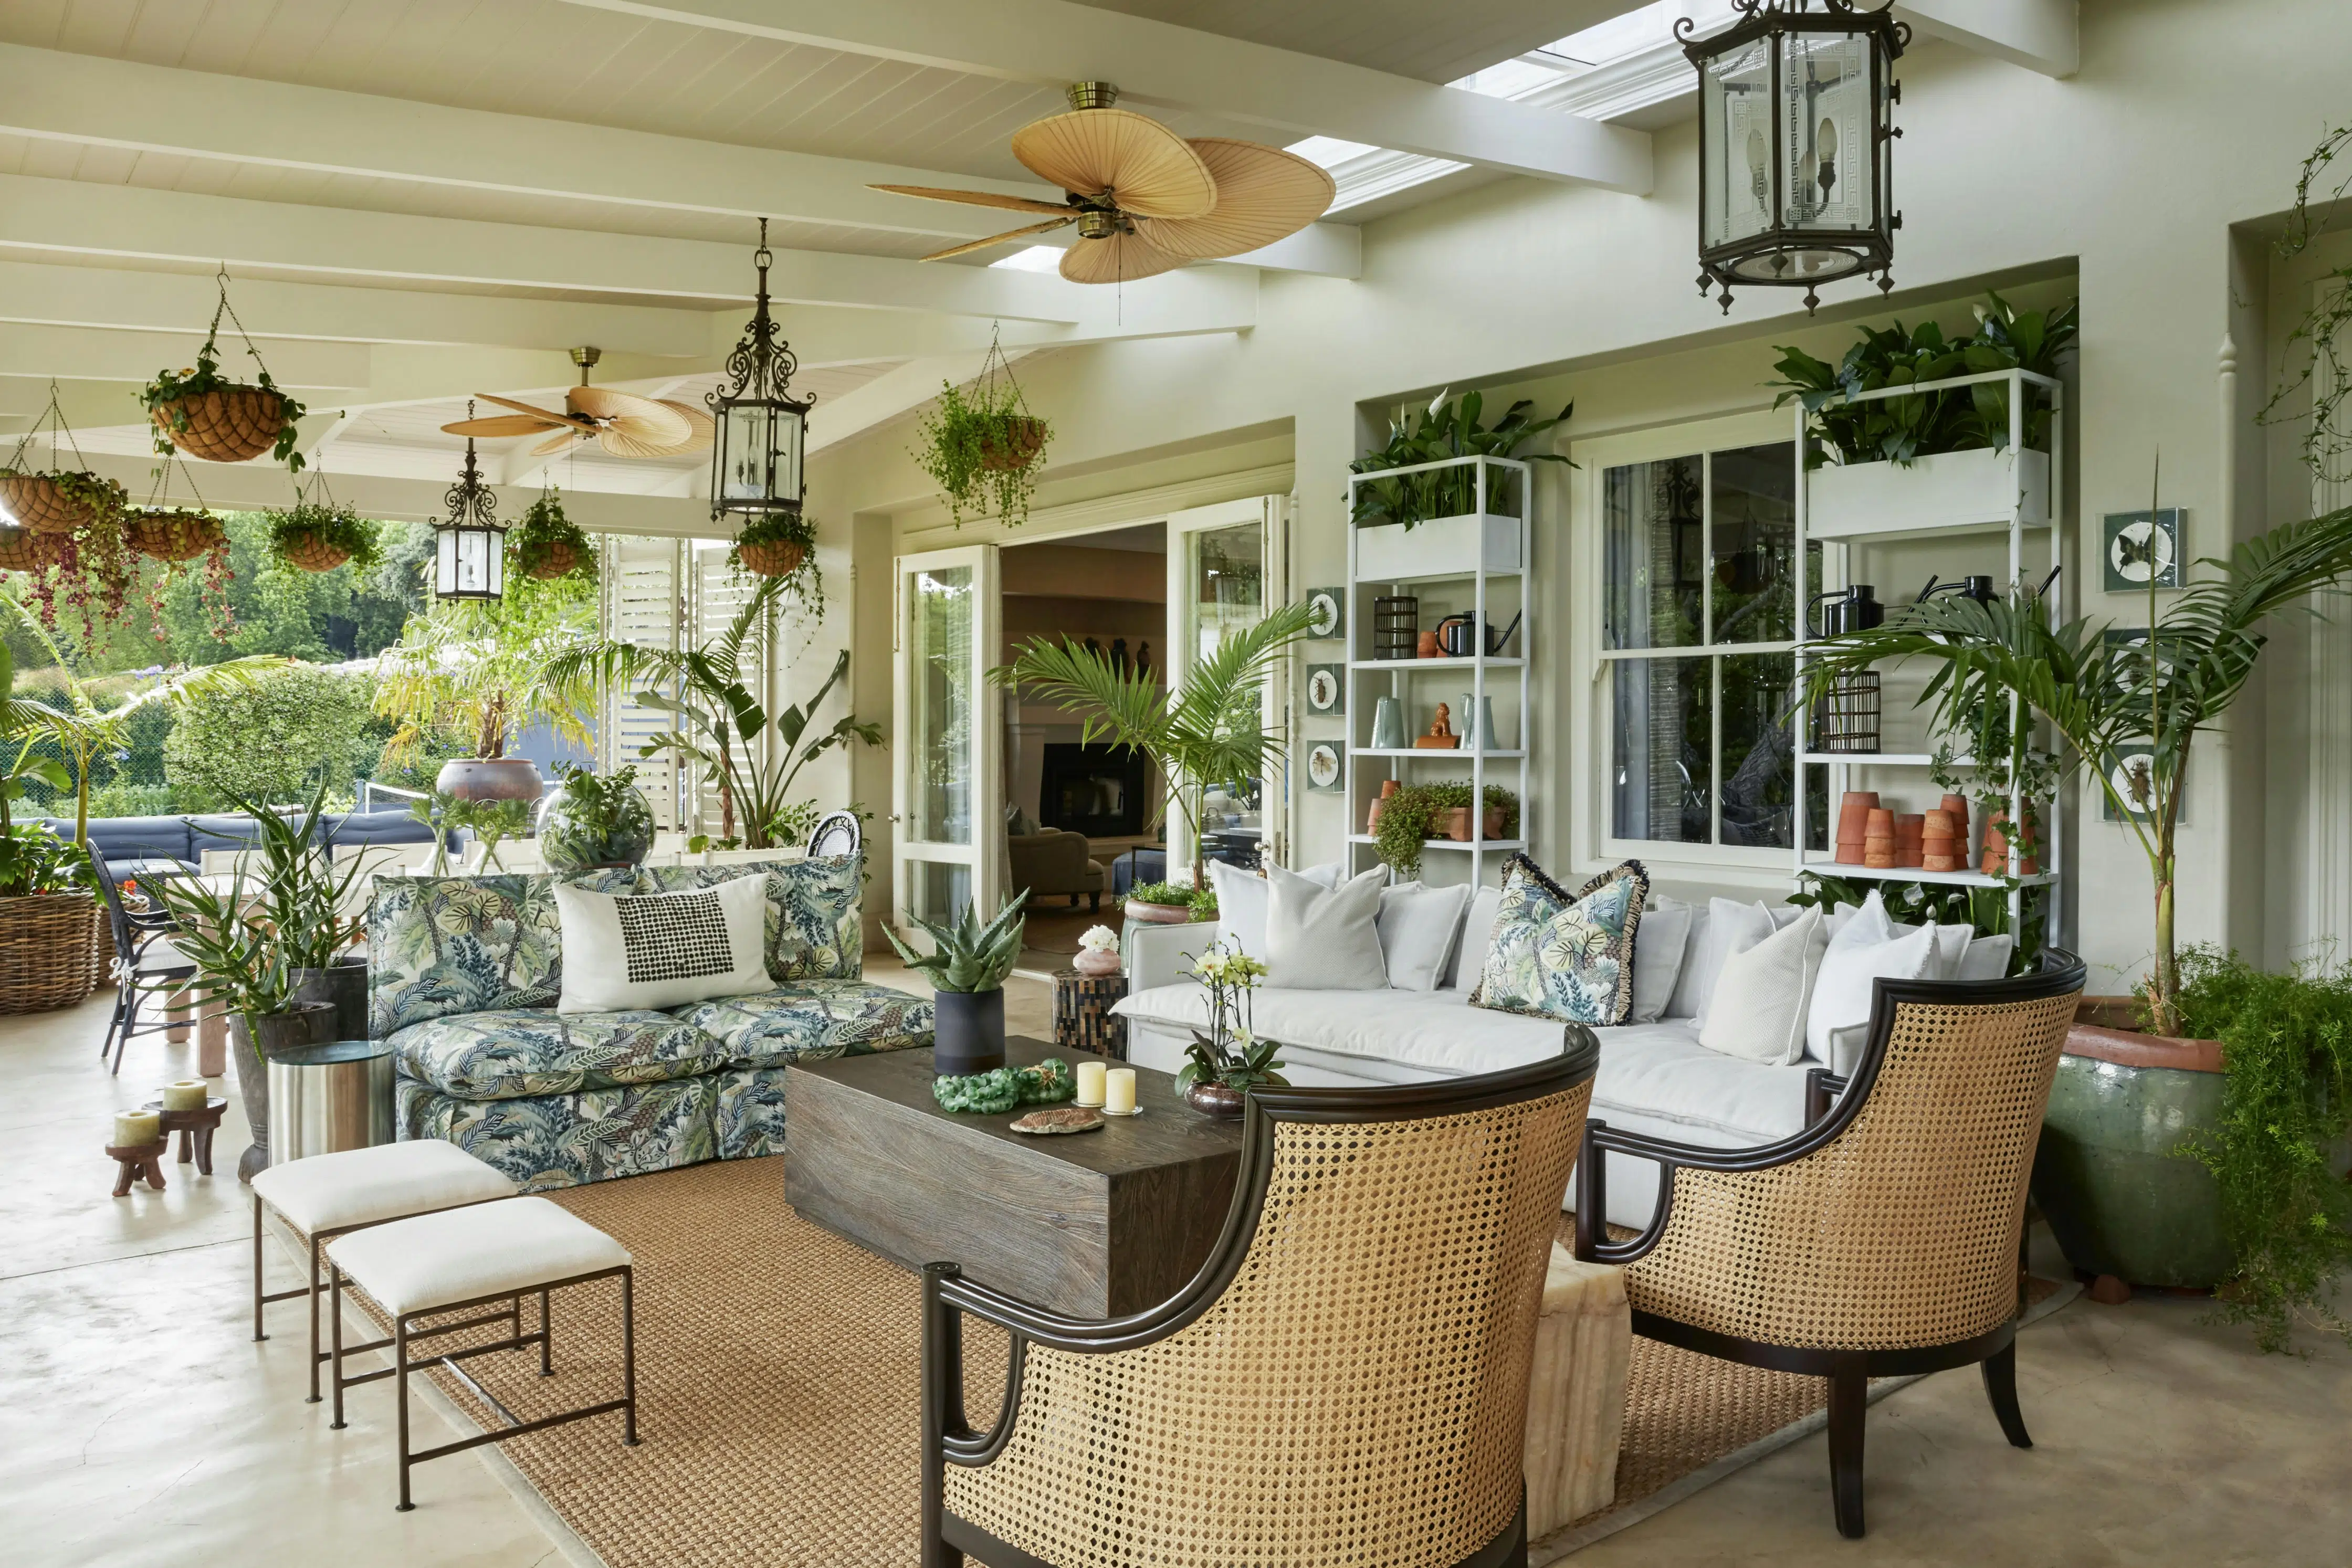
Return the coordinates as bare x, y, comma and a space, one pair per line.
469, 555
755, 461
1795, 138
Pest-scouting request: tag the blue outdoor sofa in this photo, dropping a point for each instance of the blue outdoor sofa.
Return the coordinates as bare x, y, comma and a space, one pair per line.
156, 846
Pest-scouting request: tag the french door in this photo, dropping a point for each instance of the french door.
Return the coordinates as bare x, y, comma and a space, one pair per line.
947, 739
1227, 565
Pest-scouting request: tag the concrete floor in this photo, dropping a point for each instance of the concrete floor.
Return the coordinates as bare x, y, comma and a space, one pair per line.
140, 1423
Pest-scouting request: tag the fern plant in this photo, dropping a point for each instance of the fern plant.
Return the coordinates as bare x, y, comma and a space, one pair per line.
967, 955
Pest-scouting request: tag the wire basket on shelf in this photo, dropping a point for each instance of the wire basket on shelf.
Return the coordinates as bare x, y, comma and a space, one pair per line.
1845, 718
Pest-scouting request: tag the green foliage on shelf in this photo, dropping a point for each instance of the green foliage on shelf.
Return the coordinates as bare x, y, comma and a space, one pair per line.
968, 955
1448, 428
1410, 817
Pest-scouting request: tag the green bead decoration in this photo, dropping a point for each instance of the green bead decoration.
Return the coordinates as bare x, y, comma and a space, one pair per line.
992, 1094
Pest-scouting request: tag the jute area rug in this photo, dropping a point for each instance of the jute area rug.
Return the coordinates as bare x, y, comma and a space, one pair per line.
777, 1374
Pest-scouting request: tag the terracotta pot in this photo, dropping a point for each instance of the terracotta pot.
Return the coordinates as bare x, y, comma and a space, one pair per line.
1372, 817
1996, 846
1159, 913
1427, 648
227, 424
777, 558
36, 501
1018, 444
1218, 1101
2107, 1173
490, 779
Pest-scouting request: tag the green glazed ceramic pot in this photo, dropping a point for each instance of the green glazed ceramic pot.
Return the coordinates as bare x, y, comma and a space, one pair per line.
2119, 1196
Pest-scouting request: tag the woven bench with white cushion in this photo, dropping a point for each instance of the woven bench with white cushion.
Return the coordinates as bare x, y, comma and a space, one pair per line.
326, 1195
458, 1258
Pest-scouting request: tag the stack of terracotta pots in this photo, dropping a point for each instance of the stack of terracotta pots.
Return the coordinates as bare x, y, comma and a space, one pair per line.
1854, 825
1996, 846
1910, 838
1941, 845
1878, 841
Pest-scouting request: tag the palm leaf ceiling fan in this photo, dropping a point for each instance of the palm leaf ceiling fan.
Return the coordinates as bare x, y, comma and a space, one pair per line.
1145, 199
622, 424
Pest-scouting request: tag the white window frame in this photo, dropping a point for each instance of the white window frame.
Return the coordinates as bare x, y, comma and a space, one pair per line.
1595, 844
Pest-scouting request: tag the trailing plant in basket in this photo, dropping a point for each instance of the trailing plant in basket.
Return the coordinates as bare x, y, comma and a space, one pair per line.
547, 545
983, 447
320, 536
1412, 816
1447, 429
167, 397
782, 546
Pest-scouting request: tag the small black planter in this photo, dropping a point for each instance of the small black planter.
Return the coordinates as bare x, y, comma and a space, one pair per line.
968, 1032
343, 987
302, 1023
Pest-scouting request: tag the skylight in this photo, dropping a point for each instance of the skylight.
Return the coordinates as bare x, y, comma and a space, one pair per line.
1034, 259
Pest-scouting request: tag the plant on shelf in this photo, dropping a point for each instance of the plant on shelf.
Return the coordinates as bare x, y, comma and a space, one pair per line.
721, 723
1413, 815
1222, 1066
596, 820
983, 447
1956, 418
319, 534
547, 545
1981, 760
968, 964
1201, 730
222, 421
1447, 428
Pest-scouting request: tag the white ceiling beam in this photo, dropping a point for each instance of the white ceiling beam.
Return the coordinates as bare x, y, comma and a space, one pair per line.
131, 221
1325, 250
1055, 42
2042, 35
78, 353
317, 432
887, 395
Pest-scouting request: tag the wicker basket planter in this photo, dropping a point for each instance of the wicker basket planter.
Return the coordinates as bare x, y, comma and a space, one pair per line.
227, 424
171, 535
778, 557
47, 946
38, 502
311, 553
557, 558
21, 549
1016, 446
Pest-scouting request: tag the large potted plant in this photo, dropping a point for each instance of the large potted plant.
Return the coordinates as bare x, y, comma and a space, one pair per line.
983, 447
968, 964
312, 906
2134, 1085
1423, 522
1207, 728
1939, 456
593, 821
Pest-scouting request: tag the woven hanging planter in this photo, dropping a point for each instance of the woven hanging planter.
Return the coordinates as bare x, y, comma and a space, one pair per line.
45, 950
557, 558
1022, 439
24, 550
227, 424
311, 553
777, 558
38, 501
165, 535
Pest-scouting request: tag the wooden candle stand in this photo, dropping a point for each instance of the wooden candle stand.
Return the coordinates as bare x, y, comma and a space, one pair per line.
195, 1129
134, 1161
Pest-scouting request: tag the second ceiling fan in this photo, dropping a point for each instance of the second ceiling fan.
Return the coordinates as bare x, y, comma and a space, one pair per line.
622, 424
1146, 199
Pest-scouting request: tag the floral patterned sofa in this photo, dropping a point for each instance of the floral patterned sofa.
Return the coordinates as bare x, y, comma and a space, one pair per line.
463, 976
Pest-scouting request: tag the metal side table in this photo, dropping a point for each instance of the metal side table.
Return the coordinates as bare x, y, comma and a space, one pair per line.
324, 1099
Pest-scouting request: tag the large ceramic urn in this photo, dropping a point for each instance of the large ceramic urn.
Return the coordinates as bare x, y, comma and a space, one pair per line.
490, 779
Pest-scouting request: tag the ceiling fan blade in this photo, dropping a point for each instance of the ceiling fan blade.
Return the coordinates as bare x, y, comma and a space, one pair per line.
647, 419
703, 430
502, 424
1147, 169
1264, 194
974, 198
569, 436
1121, 259
619, 443
546, 416
1000, 239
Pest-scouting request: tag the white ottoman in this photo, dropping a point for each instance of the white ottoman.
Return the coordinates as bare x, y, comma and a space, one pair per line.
457, 1258
326, 1195
1576, 1392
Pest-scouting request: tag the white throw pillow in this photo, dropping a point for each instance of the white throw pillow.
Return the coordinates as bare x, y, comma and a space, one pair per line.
1241, 898
1758, 1009
1418, 927
1477, 931
1320, 938
1731, 927
662, 949
1952, 943
1851, 970
1988, 957
1659, 943
1691, 984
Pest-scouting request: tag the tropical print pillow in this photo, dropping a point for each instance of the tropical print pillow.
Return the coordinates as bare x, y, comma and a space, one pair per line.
1564, 956
443, 945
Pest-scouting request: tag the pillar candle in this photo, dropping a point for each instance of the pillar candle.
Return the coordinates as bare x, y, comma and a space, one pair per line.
1118, 1091
188, 1094
135, 1129
1090, 1082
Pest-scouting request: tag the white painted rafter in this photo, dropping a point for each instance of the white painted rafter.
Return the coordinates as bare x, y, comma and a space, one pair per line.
2041, 35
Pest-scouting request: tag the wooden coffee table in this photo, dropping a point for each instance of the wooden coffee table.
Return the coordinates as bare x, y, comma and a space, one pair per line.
1091, 1225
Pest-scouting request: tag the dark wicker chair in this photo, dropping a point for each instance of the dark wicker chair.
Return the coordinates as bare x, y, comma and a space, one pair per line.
143, 955
1345, 1380
1882, 1240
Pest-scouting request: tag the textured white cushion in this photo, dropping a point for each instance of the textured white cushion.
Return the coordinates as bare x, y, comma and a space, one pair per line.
1857, 960
1731, 927
1988, 957
1321, 939
1758, 1009
662, 949
1242, 897
462, 1254
1430, 1033
1658, 948
1477, 931
1692, 982
1952, 943
1418, 927
359, 1187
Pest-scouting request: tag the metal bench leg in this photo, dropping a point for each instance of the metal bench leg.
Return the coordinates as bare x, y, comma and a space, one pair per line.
335, 1319
400, 1361
629, 1354
257, 1332
546, 1337
314, 1321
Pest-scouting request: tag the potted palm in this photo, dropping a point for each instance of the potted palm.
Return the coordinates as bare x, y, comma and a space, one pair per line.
968, 964
1207, 728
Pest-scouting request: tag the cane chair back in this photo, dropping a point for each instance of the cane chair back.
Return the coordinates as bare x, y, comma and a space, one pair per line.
1357, 1391
1902, 1230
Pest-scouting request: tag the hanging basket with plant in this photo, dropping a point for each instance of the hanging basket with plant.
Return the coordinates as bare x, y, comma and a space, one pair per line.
176, 537
982, 446
174, 534
319, 534
58, 500
775, 544
205, 414
22, 550
547, 545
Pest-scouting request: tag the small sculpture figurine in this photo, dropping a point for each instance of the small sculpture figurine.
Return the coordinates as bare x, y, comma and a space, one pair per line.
1441, 735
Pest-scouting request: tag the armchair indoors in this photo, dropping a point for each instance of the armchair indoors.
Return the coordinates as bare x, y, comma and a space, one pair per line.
1882, 1240
1345, 1380
1051, 862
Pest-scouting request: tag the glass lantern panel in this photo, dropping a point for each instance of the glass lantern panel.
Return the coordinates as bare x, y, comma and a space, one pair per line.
1826, 129
1735, 141
467, 564
786, 479
743, 451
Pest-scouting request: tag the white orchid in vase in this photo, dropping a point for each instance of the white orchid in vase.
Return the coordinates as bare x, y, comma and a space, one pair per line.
1231, 1054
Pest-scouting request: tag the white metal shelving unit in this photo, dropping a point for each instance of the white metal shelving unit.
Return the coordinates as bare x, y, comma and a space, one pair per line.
1477, 542
2017, 518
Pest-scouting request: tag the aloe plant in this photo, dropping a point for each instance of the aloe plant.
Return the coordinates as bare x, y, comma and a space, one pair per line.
967, 955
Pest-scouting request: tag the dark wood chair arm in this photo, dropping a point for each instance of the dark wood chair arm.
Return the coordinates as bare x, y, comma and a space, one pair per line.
1821, 1089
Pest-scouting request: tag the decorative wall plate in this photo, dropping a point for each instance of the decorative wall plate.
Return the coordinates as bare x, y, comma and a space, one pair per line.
2134, 544
2128, 761
1327, 689
1324, 772
1329, 606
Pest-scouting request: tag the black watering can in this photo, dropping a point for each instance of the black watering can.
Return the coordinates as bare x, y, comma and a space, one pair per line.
1854, 609
1978, 588
1457, 636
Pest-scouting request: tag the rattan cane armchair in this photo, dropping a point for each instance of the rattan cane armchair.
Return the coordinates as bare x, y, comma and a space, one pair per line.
1882, 1240
1345, 1381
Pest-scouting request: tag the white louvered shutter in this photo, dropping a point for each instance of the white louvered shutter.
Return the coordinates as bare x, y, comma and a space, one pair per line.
643, 604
